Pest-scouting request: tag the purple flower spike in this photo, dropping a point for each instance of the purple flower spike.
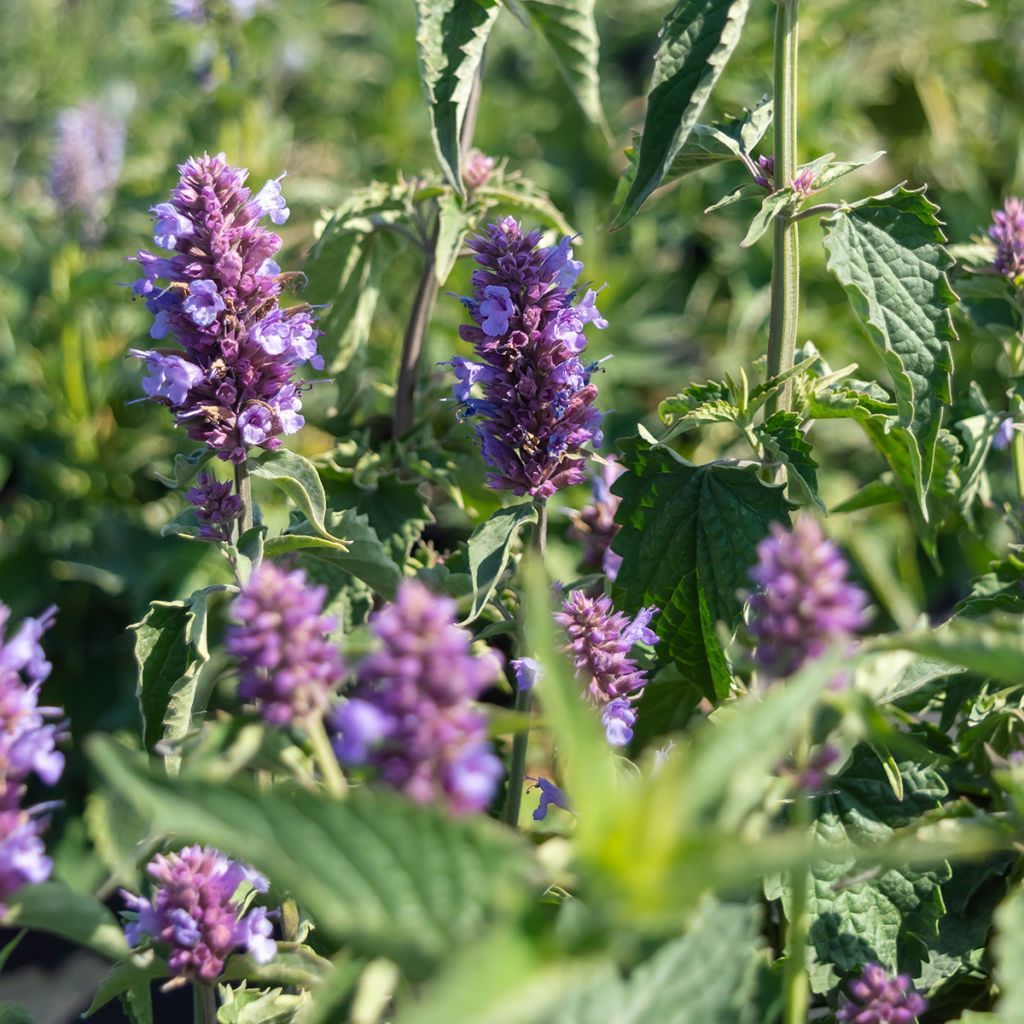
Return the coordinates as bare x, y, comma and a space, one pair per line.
877, 998
23, 859
536, 414
1007, 231
194, 913
287, 664
216, 506
806, 604
594, 525
411, 717
550, 796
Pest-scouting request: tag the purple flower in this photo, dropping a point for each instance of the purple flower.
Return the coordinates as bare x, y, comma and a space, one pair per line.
188, 10
411, 716
270, 203
287, 664
196, 915
766, 179
550, 796
537, 408
803, 183
216, 506
170, 226
527, 672
477, 170
1007, 231
594, 525
618, 719
1003, 437
23, 859
203, 303
169, 378
805, 604
291, 333
877, 998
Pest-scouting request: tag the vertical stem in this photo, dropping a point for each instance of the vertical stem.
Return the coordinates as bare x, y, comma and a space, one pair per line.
786, 263
1017, 445
794, 983
243, 488
330, 770
204, 1003
412, 343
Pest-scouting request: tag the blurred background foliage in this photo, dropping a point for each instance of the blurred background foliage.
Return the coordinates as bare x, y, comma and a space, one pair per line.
330, 92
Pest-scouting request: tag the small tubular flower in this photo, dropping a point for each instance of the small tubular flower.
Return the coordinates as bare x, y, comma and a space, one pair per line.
594, 525
1007, 231
878, 998
196, 913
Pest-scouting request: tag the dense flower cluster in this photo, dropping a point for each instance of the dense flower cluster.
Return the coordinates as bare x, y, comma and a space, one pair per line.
805, 603
28, 739
232, 383
594, 525
876, 998
86, 163
287, 664
537, 411
1007, 231
600, 642
411, 716
216, 506
196, 912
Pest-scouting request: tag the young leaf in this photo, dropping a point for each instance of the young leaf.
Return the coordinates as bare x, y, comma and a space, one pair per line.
698, 404
453, 225
786, 443
490, 547
888, 254
688, 539
774, 205
697, 40
832, 172
298, 478
450, 39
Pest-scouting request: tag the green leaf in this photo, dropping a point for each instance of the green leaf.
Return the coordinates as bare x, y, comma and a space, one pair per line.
383, 875
258, 1006
1009, 950
745, 191
688, 539
666, 704
10, 947
773, 205
832, 172
887, 252
453, 224
786, 443
297, 477
697, 40
696, 405
186, 467
134, 973
450, 39
490, 548
522, 196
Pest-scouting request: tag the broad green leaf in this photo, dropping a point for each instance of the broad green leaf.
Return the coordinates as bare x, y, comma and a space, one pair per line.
774, 205
14, 1013
1009, 950
786, 443
382, 875
245, 1005
53, 907
134, 973
490, 548
887, 252
698, 404
697, 40
450, 39
666, 704
297, 477
1000, 589
453, 224
688, 539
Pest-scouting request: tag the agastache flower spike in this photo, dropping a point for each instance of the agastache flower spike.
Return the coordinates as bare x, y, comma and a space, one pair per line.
215, 505
1007, 231
232, 383
877, 998
536, 414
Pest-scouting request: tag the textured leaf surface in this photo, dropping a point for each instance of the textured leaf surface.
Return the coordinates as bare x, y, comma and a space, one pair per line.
697, 40
297, 477
490, 548
786, 443
688, 539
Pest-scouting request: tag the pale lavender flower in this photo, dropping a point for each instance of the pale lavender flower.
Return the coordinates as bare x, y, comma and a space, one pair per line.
168, 377
594, 525
1007, 231
23, 859
215, 505
618, 719
477, 170
550, 796
803, 183
196, 915
878, 998
527, 671
1003, 437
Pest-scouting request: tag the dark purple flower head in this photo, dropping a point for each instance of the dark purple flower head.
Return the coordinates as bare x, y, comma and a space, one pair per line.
287, 664
805, 604
536, 413
215, 505
594, 525
600, 641
196, 913
1007, 231
231, 384
411, 716
478, 169
878, 998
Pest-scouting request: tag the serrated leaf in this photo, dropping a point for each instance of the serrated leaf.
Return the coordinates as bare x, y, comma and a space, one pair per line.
259, 1006
297, 477
688, 539
696, 405
697, 40
774, 205
832, 172
383, 875
450, 40
453, 224
786, 443
888, 254
489, 550
528, 200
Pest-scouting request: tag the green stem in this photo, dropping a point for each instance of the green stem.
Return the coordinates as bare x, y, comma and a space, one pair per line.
412, 342
786, 262
204, 1003
330, 770
243, 488
794, 984
1017, 445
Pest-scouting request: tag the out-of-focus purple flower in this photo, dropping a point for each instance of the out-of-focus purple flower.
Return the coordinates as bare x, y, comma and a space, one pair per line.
215, 505
813, 776
550, 796
527, 672
537, 413
87, 156
23, 859
287, 664
766, 179
411, 716
805, 604
600, 642
594, 525
1007, 231
196, 913
803, 183
1003, 437
220, 303
477, 170
188, 10
878, 998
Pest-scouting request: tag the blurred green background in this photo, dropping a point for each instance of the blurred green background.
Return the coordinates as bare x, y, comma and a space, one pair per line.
330, 92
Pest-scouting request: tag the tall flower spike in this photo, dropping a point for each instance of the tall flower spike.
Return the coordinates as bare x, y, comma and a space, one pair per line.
287, 664
411, 716
1007, 231
594, 525
805, 603
877, 998
536, 413
600, 641
196, 915
231, 384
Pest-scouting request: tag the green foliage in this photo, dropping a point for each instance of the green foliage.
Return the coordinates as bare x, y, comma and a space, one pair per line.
490, 548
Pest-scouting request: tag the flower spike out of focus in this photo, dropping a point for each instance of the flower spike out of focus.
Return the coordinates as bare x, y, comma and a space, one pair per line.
594, 525
878, 998
1007, 231
536, 414
231, 381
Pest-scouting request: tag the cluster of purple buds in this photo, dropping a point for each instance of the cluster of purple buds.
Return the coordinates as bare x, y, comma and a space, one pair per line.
1007, 231
28, 740
287, 664
803, 183
231, 383
877, 998
197, 913
805, 604
216, 506
766, 179
600, 643
477, 170
594, 525
536, 413
411, 716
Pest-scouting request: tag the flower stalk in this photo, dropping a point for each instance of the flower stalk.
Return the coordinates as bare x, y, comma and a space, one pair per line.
243, 488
